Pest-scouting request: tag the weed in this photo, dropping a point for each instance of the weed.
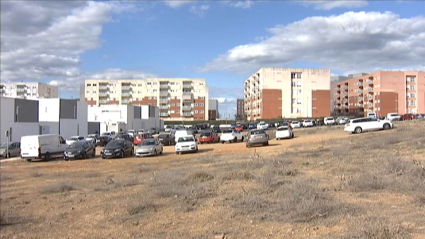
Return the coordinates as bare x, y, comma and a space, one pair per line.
377, 228
200, 177
58, 188
144, 207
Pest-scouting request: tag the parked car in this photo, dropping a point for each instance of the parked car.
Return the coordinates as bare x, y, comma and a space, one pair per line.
153, 131
44, 146
186, 144
307, 123
408, 117
117, 148
284, 132
367, 124
341, 120
295, 124
80, 149
252, 126
124, 136
230, 135
93, 138
74, 139
11, 149
239, 128
167, 139
149, 147
257, 136
216, 129
168, 128
329, 121
262, 125
209, 137
138, 139
103, 140
394, 117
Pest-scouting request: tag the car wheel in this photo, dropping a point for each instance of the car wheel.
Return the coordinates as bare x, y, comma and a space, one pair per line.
358, 130
47, 156
103, 157
93, 154
386, 126
242, 139
160, 152
235, 140
155, 153
121, 154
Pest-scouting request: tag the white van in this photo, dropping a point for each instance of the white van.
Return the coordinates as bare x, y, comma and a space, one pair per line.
181, 133
44, 146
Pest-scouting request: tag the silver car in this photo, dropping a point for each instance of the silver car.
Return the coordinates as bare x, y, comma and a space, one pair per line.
149, 147
12, 149
257, 136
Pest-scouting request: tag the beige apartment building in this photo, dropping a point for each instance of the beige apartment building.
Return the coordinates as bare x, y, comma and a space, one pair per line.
28, 90
381, 92
288, 93
177, 98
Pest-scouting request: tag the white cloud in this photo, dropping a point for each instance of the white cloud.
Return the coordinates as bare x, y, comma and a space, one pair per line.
45, 39
241, 4
199, 10
176, 3
350, 41
328, 5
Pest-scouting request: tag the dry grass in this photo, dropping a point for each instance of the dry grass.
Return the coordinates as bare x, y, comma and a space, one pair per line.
60, 187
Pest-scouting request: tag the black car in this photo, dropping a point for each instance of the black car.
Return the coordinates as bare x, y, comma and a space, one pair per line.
124, 136
80, 149
117, 148
167, 139
103, 140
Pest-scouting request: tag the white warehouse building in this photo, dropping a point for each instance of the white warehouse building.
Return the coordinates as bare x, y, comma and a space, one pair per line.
121, 118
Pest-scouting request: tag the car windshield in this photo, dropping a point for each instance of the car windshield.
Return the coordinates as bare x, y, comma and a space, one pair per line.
148, 142
163, 136
186, 139
206, 134
227, 131
116, 143
76, 145
106, 134
257, 132
282, 128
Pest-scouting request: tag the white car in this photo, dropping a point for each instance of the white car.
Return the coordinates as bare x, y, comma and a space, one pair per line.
341, 120
308, 123
74, 139
394, 116
231, 136
93, 138
262, 125
295, 124
328, 121
367, 124
185, 144
284, 132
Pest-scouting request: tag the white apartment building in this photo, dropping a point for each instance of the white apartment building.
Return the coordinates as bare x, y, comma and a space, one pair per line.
178, 99
288, 93
28, 90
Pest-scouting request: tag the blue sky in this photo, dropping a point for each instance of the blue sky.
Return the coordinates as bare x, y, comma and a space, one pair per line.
66, 42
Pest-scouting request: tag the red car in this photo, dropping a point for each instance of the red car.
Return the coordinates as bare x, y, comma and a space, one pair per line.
209, 137
408, 117
138, 138
239, 128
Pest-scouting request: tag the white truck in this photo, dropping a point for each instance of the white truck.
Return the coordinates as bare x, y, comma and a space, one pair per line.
45, 146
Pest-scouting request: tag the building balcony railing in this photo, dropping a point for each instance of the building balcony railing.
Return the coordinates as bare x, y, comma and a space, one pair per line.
103, 101
125, 94
163, 114
103, 87
345, 87
126, 87
359, 84
369, 81
103, 95
187, 114
164, 86
21, 90
164, 93
187, 86
187, 107
126, 101
369, 89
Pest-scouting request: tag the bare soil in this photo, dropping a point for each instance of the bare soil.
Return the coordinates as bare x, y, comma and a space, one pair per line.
324, 183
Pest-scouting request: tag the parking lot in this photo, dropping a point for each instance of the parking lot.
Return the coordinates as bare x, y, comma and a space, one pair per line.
319, 184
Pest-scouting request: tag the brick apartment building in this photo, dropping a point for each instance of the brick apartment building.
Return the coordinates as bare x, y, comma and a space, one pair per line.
240, 111
177, 98
287, 92
382, 92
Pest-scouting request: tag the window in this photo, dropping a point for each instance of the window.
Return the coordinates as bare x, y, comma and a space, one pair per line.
201, 104
149, 83
296, 75
155, 83
88, 92
195, 111
155, 90
88, 84
178, 104
196, 104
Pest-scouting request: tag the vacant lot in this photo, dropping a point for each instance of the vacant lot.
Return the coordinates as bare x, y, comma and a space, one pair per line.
324, 183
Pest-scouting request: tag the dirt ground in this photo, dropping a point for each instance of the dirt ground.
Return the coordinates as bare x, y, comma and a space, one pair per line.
324, 183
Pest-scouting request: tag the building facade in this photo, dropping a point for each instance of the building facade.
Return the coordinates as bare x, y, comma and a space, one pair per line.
381, 92
28, 90
240, 111
287, 93
177, 98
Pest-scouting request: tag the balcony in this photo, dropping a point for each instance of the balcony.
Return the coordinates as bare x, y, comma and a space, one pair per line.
21, 90
369, 81
360, 84
125, 95
187, 107
345, 87
370, 97
126, 87
125, 101
369, 89
164, 114
164, 101
164, 93
164, 86
103, 101
187, 96
360, 99
164, 107
187, 114
103, 95
187, 86
103, 87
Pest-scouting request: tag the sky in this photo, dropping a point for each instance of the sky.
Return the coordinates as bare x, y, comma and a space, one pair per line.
63, 43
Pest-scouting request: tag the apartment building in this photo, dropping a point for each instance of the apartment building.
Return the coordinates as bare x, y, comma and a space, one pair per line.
287, 93
213, 109
240, 109
177, 98
28, 90
382, 92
